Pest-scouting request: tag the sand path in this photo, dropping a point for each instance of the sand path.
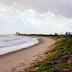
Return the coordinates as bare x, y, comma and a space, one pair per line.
15, 61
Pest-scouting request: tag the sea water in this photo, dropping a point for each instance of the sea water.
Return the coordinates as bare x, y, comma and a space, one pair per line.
10, 43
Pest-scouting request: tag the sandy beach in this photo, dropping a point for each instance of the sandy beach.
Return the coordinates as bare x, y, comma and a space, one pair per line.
18, 60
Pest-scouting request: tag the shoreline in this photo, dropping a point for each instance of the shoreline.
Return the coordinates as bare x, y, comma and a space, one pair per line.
40, 41
18, 60
19, 46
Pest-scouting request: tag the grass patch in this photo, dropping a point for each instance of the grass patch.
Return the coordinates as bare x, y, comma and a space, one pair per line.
57, 58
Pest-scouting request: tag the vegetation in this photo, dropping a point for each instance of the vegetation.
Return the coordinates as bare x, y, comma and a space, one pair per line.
38, 34
58, 59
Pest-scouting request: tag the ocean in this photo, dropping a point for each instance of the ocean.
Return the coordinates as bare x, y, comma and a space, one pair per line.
10, 43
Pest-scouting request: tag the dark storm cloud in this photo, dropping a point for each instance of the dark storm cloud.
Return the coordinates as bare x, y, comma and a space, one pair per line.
63, 7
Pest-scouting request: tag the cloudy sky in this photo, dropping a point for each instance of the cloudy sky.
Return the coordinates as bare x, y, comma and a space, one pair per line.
35, 16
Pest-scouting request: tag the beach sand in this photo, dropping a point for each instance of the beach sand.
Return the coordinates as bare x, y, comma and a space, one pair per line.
18, 60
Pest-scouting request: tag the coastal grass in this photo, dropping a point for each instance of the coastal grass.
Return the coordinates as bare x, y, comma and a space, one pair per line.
58, 59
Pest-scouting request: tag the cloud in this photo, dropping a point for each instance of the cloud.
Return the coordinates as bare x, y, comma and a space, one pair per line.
36, 16
2, 9
30, 13
7, 9
61, 27
44, 22
10, 9
62, 7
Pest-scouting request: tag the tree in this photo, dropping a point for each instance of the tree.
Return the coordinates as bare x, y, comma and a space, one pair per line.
17, 33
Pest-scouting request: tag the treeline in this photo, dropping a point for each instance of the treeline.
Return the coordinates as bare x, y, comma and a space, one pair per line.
37, 35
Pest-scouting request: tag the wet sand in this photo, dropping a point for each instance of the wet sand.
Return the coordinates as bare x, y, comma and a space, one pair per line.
18, 60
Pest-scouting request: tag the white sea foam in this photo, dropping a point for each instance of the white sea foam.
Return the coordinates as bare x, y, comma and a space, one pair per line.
10, 43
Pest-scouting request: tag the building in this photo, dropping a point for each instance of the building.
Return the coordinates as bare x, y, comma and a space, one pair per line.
68, 33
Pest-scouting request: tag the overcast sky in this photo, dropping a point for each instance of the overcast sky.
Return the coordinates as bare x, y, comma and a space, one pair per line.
35, 16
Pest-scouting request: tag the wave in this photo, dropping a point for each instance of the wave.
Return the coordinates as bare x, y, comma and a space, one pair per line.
10, 43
